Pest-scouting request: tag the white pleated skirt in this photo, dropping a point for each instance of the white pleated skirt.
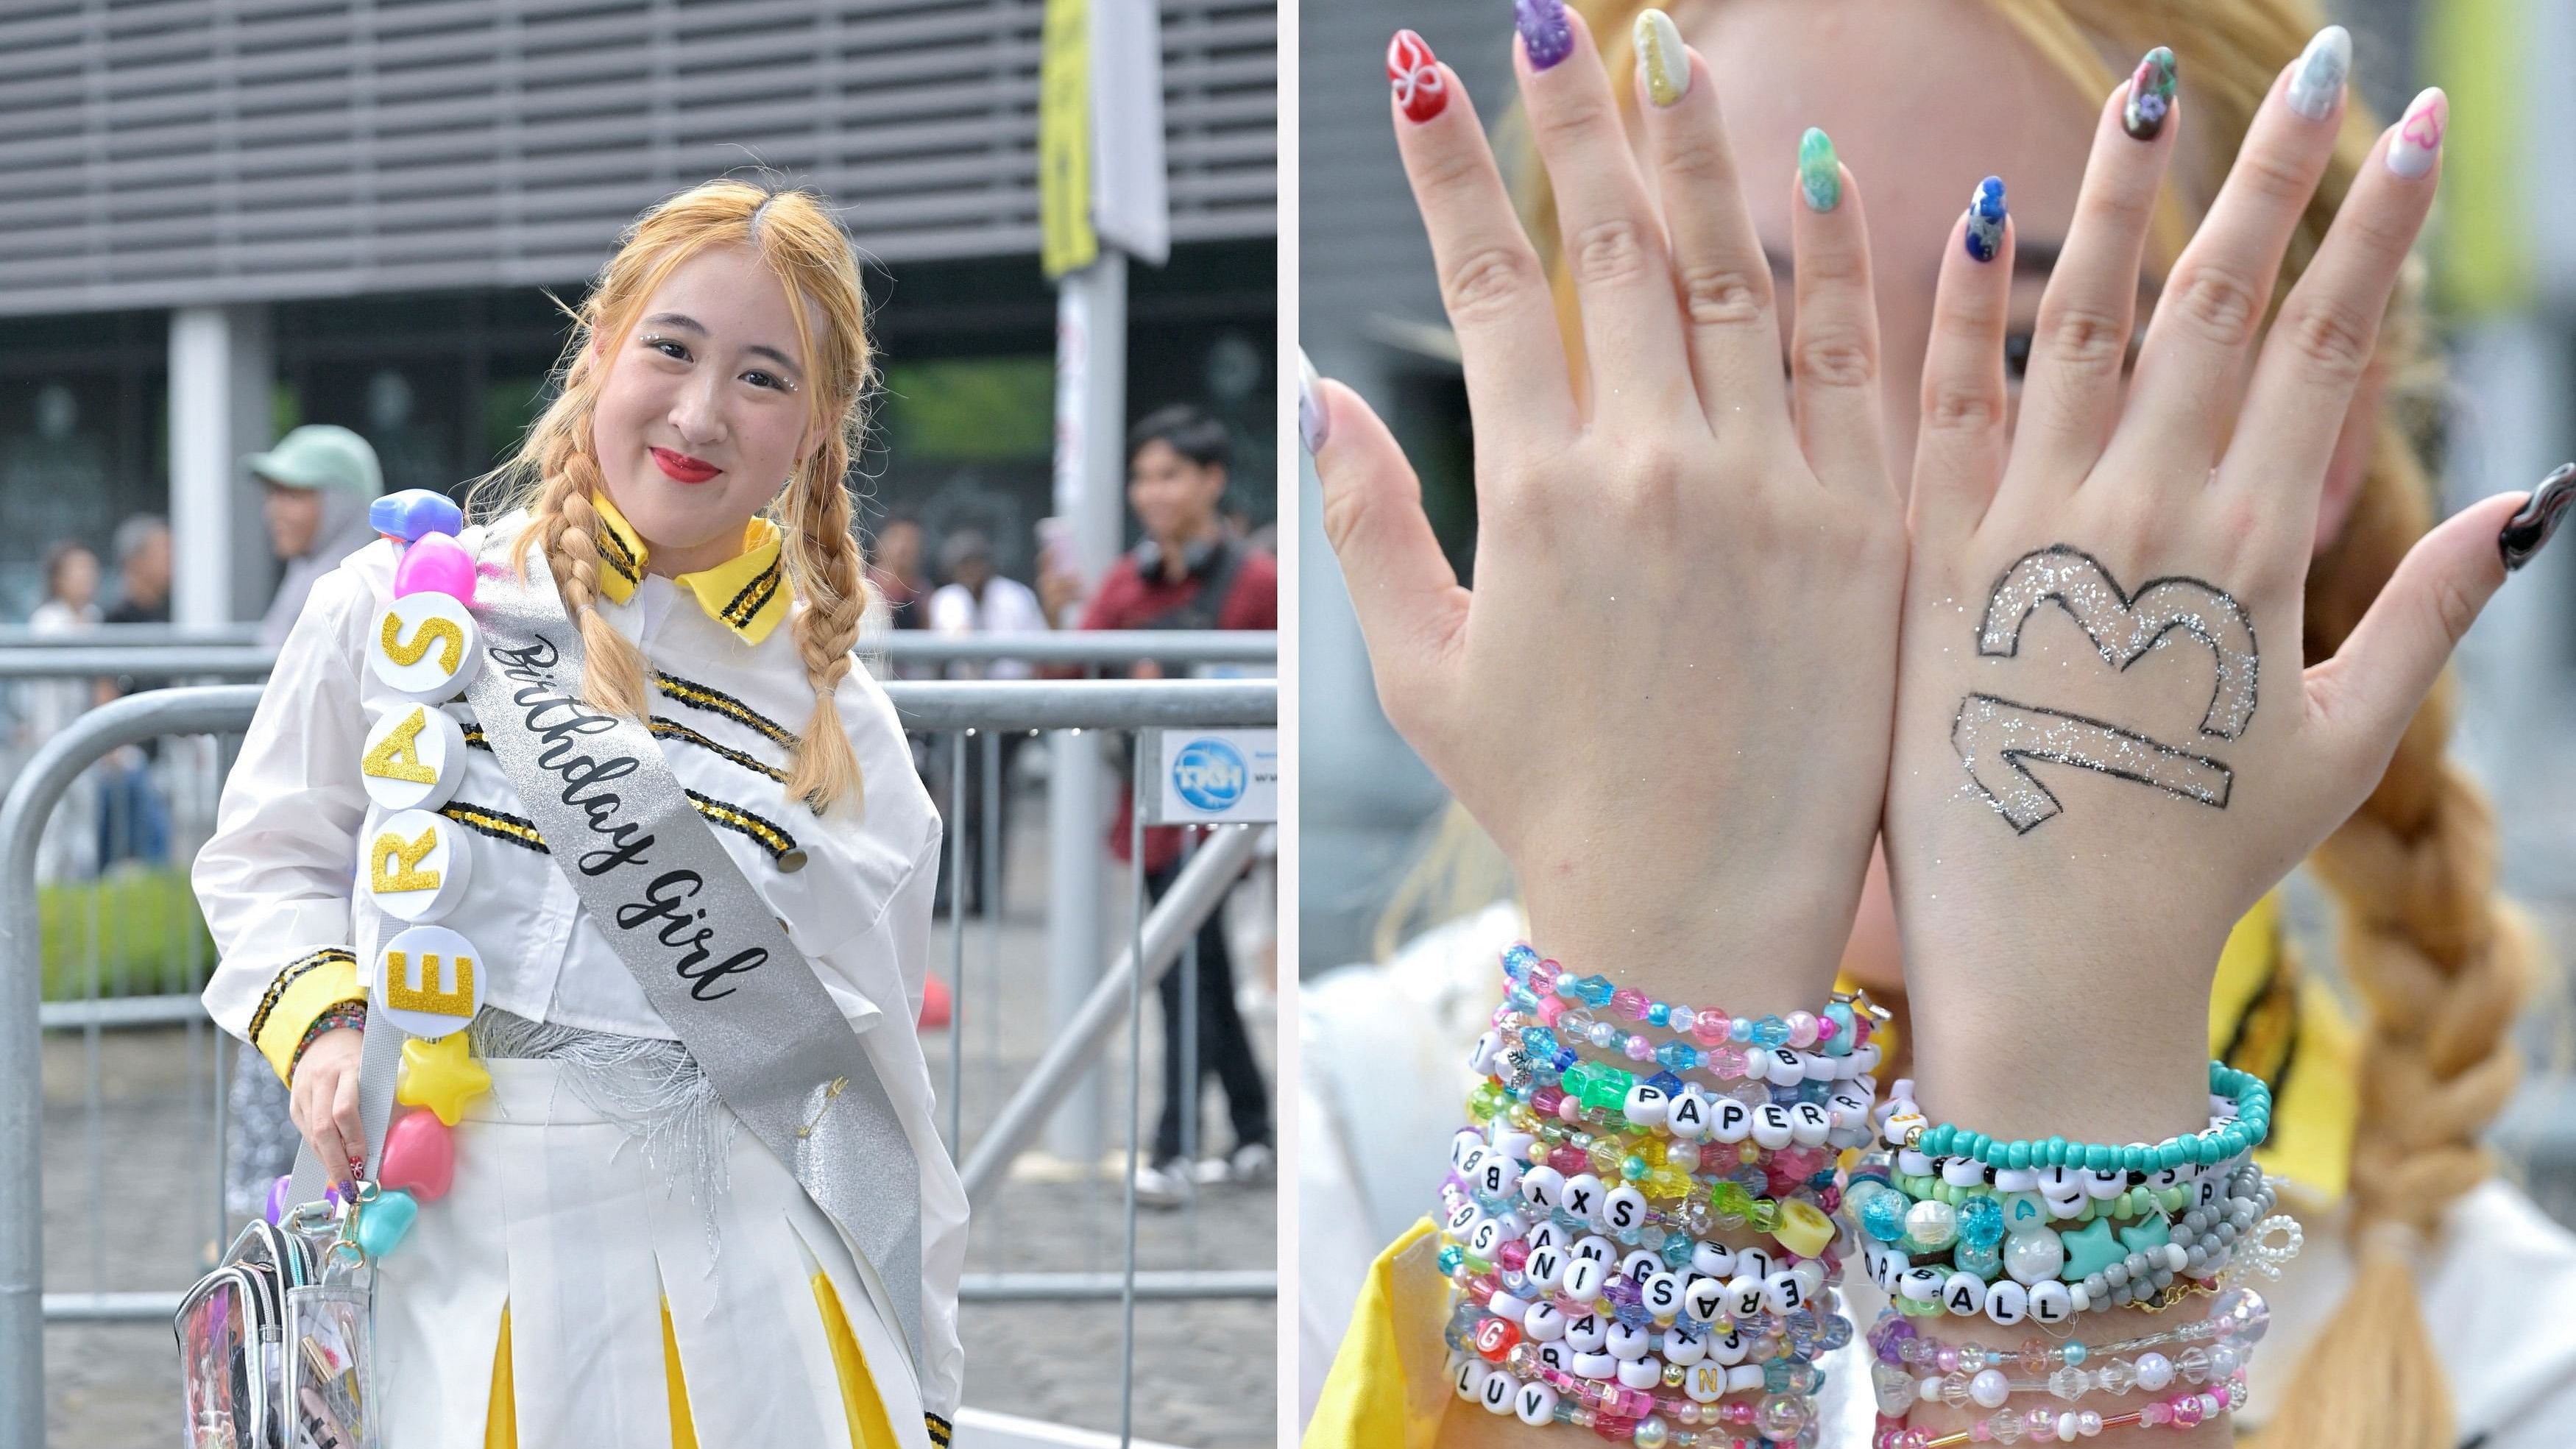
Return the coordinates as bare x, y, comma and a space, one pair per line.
562, 1294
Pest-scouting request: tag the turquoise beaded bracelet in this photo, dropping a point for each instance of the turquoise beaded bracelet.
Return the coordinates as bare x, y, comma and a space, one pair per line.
2217, 1144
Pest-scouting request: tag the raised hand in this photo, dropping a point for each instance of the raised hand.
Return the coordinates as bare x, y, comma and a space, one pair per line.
1668, 695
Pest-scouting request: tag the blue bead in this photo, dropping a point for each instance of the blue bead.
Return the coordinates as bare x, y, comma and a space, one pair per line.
1658, 1014
1540, 1040
414, 514
1677, 1250
1771, 1031
1598, 991
2072, 1352
1739, 1030
1883, 1216
1981, 1221
1452, 1258
1665, 1082
1564, 1058
1518, 960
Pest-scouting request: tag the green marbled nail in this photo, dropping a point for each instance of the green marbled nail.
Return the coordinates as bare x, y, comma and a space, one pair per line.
1820, 173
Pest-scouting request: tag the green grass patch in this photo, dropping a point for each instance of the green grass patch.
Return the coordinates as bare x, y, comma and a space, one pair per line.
140, 927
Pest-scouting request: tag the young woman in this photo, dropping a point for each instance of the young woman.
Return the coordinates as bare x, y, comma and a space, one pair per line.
617, 1261
1705, 839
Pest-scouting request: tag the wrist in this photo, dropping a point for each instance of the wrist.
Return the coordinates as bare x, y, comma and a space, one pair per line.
1752, 955
350, 1016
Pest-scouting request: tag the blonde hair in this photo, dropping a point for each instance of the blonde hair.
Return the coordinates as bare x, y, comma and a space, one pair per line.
555, 474
2442, 965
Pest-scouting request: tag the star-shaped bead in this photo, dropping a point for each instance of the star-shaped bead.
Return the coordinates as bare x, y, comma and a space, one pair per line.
2089, 1250
441, 1075
2153, 1232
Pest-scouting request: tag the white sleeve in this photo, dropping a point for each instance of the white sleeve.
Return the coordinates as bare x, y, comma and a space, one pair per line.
275, 880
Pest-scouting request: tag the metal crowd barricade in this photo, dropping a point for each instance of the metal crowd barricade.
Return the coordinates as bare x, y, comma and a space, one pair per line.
965, 710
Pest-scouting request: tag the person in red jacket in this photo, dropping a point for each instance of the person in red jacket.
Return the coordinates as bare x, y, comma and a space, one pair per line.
1189, 573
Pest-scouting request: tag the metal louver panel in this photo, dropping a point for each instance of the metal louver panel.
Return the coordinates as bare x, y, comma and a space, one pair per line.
193, 151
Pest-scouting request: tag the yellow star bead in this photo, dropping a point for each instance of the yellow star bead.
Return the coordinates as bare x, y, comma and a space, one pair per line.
441, 1075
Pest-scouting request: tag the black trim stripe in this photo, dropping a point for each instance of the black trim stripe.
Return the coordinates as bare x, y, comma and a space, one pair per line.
474, 739
674, 730
499, 824
292, 972
770, 835
716, 701
753, 597
939, 1429
613, 552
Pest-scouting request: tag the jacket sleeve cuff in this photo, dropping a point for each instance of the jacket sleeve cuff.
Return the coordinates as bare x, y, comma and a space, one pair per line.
304, 988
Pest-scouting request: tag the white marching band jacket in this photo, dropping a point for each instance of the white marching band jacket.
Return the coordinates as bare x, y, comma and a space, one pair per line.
853, 888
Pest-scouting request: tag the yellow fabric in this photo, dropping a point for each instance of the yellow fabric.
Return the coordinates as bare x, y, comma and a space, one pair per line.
747, 593
316, 989
869, 1428
2280, 1023
501, 1417
684, 1428
1386, 1389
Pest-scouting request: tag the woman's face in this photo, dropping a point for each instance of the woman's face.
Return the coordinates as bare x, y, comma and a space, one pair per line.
294, 517
1924, 100
76, 578
706, 408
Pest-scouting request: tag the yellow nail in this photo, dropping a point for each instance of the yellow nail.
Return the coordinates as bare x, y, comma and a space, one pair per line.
1660, 57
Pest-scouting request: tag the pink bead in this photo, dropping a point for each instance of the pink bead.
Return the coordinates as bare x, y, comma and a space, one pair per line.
1826, 1028
1982, 1432
1551, 1007
1570, 1111
436, 564
1567, 1158
1948, 1361
1629, 1002
1638, 1049
2155, 1412
420, 1156
1710, 1028
1545, 1099
2187, 1412
1802, 1029
1513, 1255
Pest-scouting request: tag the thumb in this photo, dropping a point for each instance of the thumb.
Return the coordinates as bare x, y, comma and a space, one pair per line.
2375, 682
1401, 586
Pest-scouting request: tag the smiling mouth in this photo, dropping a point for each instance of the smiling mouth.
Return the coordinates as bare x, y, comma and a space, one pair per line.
682, 468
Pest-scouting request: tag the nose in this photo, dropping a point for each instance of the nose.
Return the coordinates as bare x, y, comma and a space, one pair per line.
697, 413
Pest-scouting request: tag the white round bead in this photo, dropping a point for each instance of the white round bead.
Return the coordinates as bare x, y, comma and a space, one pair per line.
1990, 1388
1784, 1067
1596, 1365
1535, 1403
1743, 1296
1964, 1294
1641, 1373
1688, 1119
1583, 1279
1627, 1341
1784, 1292
426, 647
1730, 1121
1544, 1323
2016, 1179
1481, 1056
1728, 1348
1640, 1265
1743, 1376
414, 758
1810, 1125
1963, 1172
1544, 1235
1754, 1261
1661, 1294
1713, 1259
1704, 1299
1498, 1392
1771, 1126
2007, 1301
1583, 1193
418, 864
1920, 1284
2051, 1303
1705, 1383
1647, 1105
1544, 1186
1497, 1175
1585, 1334
429, 981
1597, 1248
1623, 1209
1485, 1237
1507, 1305
1684, 1345
1470, 1379
2155, 1371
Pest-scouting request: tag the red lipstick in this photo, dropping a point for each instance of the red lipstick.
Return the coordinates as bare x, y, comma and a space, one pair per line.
682, 468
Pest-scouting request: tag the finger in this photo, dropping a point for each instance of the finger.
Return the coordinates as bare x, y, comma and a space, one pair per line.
2070, 394
2320, 347
1613, 242
1731, 326
1490, 280
344, 1118
1959, 444
1409, 604
2184, 396
1833, 357
2372, 686
327, 1147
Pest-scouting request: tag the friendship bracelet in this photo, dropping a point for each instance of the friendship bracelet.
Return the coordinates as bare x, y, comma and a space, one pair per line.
2041, 1426
1544, 987
1963, 1374
2240, 1313
352, 1013
1904, 1126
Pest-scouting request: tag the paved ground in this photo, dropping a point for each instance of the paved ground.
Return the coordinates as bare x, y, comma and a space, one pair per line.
141, 1216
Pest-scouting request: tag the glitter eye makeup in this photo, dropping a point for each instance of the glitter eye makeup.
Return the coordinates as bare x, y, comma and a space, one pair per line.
1996, 737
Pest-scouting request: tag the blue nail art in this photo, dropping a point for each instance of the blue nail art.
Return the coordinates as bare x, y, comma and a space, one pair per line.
1544, 31
1986, 219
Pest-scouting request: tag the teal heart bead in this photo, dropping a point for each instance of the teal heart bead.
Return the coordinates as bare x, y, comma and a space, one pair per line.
386, 1222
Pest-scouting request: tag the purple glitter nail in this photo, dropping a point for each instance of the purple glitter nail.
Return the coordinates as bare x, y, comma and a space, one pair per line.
1544, 31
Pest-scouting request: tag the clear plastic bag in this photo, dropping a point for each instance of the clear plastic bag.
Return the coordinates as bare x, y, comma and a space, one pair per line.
330, 1353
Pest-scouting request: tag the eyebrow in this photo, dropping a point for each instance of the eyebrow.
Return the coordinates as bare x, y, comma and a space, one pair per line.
681, 322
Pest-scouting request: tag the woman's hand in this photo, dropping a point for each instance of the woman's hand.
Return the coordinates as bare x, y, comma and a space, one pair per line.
323, 1100
1668, 695
2106, 748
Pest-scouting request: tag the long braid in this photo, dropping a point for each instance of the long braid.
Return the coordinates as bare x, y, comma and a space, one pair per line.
831, 579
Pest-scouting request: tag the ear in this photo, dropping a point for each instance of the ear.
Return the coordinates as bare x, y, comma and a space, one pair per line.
2350, 464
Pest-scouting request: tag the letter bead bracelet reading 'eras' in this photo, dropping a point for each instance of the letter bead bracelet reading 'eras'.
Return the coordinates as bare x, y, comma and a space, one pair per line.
1653, 1254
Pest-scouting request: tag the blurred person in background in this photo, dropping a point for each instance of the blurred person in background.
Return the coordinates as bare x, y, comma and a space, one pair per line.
978, 599
134, 820
2416, 1317
895, 571
46, 706
319, 480
1188, 573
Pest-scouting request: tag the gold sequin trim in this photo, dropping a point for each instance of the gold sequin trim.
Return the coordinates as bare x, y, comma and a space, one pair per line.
773, 839
716, 701
674, 730
499, 824
613, 551
939, 1430
753, 597
288, 975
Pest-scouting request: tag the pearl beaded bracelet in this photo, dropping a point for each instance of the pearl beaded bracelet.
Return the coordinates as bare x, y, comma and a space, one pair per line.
2214, 1349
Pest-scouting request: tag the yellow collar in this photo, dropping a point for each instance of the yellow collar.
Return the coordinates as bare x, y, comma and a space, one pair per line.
747, 593
2269, 1017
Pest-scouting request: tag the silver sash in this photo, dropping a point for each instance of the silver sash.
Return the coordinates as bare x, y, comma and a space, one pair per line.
712, 959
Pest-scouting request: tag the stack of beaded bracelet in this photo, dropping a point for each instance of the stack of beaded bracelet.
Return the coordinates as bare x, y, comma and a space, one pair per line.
1578, 1206
1955, 1222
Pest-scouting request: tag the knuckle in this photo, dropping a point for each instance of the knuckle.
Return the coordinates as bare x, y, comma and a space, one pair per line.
1613, 251
2221, 304
2086, 339
1955, 408
2454, 608
2332, 342
1835, 356
1719, 296
1488, 282
2275, 177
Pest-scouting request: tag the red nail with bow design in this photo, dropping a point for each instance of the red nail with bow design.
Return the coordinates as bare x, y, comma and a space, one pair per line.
1414, 71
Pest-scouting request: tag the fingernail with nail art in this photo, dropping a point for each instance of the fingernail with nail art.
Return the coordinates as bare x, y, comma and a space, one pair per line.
1660, 57
2151, 92
1544, 31
1414, 71
2419, 134
2528, 531
2317, 84
1312, 422
1820, 172
1986, 219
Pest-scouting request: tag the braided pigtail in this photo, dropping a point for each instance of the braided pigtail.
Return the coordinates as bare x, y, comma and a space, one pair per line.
830, 579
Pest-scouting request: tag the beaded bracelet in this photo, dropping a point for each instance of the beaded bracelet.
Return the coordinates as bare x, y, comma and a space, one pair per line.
1961, 1378
351, 1013
1905, 1126
2041, 1426
1546, 988
2240, 1313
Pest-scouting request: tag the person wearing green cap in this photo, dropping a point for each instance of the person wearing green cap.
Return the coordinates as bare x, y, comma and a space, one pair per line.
320, 479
